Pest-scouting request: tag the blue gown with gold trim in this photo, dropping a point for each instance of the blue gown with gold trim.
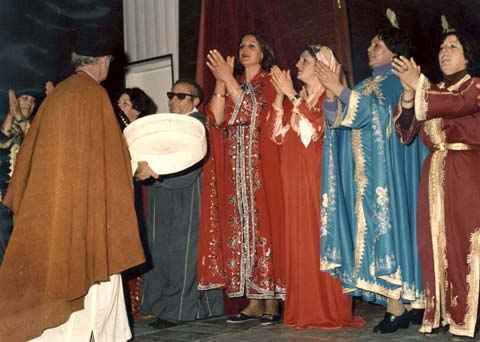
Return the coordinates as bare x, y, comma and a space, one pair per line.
369, 195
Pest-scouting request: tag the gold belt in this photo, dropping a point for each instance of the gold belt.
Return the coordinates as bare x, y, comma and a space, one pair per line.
453, 147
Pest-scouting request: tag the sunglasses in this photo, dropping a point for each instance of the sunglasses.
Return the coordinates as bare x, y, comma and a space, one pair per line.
180, 96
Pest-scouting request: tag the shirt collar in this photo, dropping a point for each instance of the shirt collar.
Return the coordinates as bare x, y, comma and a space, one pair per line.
193, 111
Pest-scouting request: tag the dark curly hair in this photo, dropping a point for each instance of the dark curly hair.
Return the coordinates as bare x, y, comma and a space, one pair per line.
396, 40
268, 56
140, 101
468, 44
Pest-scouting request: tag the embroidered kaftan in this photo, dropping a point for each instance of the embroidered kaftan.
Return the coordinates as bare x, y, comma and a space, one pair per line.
449, 198
369, 193
236, 237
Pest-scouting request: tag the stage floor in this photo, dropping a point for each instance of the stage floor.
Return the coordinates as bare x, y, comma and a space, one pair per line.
217, 330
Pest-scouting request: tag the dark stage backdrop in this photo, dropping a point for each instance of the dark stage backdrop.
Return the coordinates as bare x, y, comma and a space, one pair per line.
345, 25
289, 26
36, 38
420, 18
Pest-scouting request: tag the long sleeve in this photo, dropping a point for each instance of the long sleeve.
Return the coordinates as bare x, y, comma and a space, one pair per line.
431, 102
406, 125
277, 123
381, 93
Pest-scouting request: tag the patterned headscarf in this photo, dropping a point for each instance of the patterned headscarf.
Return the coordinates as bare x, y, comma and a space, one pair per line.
323, 54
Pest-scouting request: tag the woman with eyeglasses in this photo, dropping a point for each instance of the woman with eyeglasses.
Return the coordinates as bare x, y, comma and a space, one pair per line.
447, 118
134, 103
242, 256
314, 298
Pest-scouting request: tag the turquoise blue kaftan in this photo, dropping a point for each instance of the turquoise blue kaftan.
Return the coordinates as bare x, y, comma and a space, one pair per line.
369, 194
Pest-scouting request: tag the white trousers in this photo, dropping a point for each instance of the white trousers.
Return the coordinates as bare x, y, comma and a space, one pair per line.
104, 316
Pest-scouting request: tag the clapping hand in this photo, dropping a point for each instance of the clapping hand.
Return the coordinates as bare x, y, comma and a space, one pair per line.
282, 81
221, 68
329, 78
407, 71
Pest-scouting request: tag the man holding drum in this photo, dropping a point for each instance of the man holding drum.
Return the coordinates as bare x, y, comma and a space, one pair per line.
172, 222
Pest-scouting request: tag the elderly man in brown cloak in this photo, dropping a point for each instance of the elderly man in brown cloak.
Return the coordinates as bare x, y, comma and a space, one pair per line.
75, 224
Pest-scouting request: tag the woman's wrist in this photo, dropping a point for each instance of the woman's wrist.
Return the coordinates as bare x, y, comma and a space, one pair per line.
337, 89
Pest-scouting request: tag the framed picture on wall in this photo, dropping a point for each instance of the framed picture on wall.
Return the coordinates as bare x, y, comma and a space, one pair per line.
154, 76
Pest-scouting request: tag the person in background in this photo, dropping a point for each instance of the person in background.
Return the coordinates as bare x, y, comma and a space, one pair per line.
12, 132
134, 103
172, 229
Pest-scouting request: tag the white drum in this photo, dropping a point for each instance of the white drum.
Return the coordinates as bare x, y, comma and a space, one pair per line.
168, 142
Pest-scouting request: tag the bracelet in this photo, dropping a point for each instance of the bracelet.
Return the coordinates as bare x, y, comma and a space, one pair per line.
219, 95
295, 98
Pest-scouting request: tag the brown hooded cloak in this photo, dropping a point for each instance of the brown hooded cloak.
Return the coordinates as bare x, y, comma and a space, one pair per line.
72, 198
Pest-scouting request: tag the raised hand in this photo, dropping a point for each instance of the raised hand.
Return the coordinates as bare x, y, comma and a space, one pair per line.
221, 68
282, 81
330, 79
407, 71
14, 106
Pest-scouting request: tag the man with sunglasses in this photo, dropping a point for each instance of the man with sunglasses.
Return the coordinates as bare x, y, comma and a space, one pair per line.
172, 223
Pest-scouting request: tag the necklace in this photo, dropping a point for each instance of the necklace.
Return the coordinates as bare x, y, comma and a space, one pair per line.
124, 119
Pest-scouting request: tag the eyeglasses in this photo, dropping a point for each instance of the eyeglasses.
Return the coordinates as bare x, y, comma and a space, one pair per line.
180, 96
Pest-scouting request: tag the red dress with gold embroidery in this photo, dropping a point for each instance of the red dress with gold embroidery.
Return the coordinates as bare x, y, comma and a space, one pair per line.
237, 208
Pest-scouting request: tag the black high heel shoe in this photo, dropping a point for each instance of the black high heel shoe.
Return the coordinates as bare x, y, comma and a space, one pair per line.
392, 323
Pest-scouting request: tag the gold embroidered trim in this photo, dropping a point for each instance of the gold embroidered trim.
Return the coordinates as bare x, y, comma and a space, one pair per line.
361, 181
352, 109
327, 265
378, 289
453, 87
421, 104
453, 147
339, 114
436, 199
467, 328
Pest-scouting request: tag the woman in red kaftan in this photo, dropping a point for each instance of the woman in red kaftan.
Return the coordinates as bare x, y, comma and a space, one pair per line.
314, 298
447, 117
236, 235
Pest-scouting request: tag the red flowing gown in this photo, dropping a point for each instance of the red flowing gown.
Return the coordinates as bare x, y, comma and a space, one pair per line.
314, 298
